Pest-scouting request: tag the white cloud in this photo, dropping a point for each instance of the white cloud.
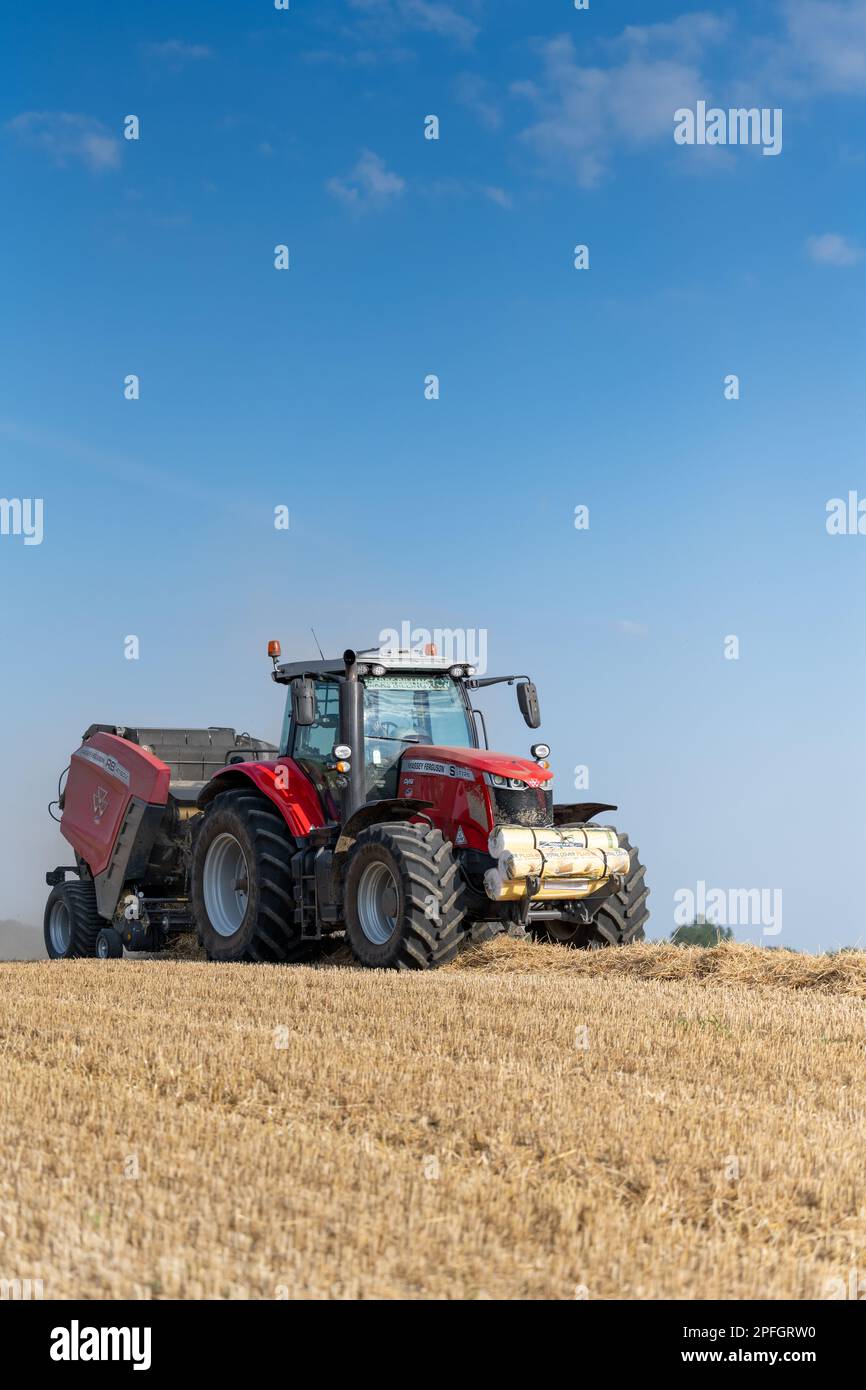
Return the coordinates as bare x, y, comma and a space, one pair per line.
68, 136
176, 53
825, 45
629, 628
461, 189
686, 37
496, 195
832, 249
427, 16
585, 112
440, 19
360, 57
369, 185
478, 95
625, 95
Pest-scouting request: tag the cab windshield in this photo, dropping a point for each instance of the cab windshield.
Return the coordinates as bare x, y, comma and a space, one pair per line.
402, 710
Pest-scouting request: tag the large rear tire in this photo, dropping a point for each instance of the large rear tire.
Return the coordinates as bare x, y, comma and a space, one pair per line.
241, 882
403, 898
72, 923
621, 919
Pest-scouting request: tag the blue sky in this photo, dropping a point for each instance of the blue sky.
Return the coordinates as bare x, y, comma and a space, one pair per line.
558, 388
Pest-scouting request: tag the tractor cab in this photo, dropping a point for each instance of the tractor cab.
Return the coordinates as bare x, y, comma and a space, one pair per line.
349, 724
414, 699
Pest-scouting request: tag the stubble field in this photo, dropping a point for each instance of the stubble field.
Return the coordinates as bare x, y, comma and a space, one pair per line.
651, 1123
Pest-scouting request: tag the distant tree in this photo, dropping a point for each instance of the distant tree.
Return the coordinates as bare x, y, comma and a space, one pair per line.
700, 932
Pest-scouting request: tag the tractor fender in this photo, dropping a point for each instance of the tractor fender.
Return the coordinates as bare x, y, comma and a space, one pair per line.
282, 782
577, 812
373, 813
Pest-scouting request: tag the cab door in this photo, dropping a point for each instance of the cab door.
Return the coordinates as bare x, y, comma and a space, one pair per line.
311, 746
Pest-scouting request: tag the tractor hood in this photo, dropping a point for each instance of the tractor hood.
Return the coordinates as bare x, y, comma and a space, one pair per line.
439, 760
469, 792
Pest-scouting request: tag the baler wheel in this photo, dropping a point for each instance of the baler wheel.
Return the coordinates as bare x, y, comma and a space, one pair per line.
109, 945
403, 898
242, 882
72, 923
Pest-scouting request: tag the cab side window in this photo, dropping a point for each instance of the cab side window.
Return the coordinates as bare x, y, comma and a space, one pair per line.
315, 742
313, 746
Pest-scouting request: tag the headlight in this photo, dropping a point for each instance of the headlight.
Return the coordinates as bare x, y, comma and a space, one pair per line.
513, 784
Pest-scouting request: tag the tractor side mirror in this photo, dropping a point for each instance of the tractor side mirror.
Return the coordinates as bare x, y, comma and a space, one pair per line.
527, 699
303, 701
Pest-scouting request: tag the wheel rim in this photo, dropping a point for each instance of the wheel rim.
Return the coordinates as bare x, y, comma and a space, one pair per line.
378, 903
225, 885
60, 927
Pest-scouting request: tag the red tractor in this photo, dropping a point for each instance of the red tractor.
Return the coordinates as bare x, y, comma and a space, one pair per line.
380, 815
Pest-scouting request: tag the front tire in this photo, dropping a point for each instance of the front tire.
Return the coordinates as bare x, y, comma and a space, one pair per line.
72, 923
403, 898
242, 884
621, 919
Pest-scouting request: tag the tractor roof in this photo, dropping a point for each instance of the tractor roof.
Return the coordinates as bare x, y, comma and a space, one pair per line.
392, 660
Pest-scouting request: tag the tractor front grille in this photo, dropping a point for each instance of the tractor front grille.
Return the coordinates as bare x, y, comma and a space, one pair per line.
531, 806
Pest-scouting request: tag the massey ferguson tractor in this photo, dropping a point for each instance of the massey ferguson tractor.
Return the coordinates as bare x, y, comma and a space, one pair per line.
382, 815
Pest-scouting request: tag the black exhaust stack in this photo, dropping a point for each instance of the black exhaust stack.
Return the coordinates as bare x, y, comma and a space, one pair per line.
352, 732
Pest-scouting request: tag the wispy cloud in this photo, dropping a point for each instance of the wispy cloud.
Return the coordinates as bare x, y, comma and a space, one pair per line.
832, 249
824, 46
175, 53
584, 113
588, 108
369, 185
687, 37
436, 18
629, 628
67, 137
117, 467
360, 57
496, 195
479, 96
454, 188
391, 17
